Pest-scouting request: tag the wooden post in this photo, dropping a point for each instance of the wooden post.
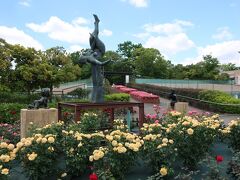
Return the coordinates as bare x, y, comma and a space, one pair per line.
59, 112
141, 115
111, 116
77, 114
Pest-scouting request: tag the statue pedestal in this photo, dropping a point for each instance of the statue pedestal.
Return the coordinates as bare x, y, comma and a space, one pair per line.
39, 118
181, 107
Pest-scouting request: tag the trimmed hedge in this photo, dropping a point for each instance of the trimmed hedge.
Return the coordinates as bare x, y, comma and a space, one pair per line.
221, 98
117, 97
192, 96
13, 97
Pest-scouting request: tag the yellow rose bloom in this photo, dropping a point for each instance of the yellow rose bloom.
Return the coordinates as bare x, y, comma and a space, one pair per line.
51, 139
64, 174
5, 171
44, 140
27, 143
51, 149
165, 140
163, 171
171, 141
91, 158
114, 143
3, 145
38, 140
1, 166
80, 144
190, 131
10, 147
32, 156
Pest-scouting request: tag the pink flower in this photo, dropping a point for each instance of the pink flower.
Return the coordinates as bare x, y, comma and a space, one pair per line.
157, 121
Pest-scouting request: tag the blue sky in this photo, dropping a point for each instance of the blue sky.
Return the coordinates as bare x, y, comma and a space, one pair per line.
182, 30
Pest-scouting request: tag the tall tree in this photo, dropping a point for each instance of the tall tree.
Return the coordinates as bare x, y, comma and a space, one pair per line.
126, 49
149, 62
62, 67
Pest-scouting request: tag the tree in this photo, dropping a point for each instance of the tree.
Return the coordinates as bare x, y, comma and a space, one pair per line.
62, 67
228, 67
126, 49
5, 61
150, 63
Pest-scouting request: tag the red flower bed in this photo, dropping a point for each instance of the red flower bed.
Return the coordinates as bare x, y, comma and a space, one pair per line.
138, 95
144, 97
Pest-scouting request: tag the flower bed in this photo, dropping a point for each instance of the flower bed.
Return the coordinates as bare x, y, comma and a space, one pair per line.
138, 95
144, 97
63, 151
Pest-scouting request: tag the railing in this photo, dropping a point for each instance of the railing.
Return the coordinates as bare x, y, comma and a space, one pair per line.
78, 107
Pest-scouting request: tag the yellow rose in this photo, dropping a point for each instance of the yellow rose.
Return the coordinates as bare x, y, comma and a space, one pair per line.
171, 141
5, 158
190, 131
163, 171
80, 144
51, 148
64, 174
5, 171
38, 140
165, 140
32, 156
51, 139
3, 145
1, 166
114, 143
109, 138
10, 147
27, 143
90, 158
44, 140
121, 149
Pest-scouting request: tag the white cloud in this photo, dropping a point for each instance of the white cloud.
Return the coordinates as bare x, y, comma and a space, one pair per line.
167, 28
223, 33
168, 38
106, 32
138, 3
75, 32
226, 52
170, 45
25, 3
57, 29
15, 36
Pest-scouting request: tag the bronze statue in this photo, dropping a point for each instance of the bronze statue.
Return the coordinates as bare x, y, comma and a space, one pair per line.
92, 56
42, 102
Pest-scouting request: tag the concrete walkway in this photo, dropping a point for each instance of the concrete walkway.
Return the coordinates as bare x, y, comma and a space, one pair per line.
164, 104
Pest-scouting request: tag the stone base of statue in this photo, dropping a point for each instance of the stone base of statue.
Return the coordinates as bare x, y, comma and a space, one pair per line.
37, 117
181, 107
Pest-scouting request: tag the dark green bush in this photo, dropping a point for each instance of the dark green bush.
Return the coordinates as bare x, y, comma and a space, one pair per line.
13, 97
80, 93
10, 112
118, 97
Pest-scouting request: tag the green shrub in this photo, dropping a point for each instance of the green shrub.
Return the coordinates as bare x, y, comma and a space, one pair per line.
234, 134
10, 112
80, 93
4, 88
10, 97
221, 98
118, 97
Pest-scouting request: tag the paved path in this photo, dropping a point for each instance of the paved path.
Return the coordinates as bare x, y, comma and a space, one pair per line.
148, 108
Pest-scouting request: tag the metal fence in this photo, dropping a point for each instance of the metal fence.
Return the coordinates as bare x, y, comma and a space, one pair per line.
226, 86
